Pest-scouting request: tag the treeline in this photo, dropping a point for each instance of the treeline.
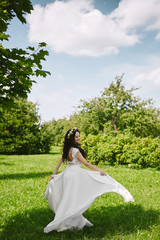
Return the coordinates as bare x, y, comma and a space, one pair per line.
115, 110
116, 128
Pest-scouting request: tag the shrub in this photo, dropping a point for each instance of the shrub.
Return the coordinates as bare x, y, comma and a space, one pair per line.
124, 149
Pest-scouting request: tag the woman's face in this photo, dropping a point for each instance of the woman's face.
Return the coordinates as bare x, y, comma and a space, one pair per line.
77, 137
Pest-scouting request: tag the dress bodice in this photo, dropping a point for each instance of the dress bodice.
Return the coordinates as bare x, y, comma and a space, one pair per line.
75, 161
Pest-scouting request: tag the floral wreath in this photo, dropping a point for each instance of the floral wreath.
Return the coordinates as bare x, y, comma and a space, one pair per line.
71, 132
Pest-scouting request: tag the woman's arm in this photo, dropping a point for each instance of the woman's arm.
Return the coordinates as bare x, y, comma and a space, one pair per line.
56, 169
83, 160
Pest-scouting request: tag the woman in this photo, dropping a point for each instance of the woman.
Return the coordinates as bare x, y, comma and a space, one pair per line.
72, 191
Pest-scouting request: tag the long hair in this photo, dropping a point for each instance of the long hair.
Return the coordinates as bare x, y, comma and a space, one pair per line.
70, 142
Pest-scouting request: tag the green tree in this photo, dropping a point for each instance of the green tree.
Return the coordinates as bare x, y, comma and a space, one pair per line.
21, 130
17, 66
58, 129
118, 109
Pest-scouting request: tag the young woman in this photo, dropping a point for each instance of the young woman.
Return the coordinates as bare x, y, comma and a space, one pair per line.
72, 191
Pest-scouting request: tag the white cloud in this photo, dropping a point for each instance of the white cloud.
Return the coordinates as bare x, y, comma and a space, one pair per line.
138, 14
77, 28
151, 76
147, 75
131, 14
148, 82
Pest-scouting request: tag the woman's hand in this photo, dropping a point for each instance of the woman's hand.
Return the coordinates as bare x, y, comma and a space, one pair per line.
51, 177
102, 173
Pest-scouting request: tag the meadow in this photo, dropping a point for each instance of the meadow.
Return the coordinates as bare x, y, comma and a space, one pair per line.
24, 211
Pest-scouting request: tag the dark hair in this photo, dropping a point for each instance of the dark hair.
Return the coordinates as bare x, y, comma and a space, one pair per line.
70, 142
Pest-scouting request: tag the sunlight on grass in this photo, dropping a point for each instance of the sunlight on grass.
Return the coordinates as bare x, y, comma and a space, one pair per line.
25, 212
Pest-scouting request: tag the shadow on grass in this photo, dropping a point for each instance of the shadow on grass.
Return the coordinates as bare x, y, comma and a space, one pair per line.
108, 222
23, 175
53, 153
6, 163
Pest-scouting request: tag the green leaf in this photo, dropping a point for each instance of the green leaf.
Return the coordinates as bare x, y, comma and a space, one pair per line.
42, 44
31, 48
4, 36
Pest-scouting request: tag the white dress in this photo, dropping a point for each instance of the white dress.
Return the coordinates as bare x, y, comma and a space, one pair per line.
72, 192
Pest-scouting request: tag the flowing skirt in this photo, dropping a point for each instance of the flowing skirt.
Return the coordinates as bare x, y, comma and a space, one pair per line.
72, 192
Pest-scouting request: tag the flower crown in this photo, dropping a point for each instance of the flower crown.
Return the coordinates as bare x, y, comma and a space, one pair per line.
71, 132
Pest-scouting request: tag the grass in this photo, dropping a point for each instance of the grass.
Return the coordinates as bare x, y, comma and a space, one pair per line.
24, 211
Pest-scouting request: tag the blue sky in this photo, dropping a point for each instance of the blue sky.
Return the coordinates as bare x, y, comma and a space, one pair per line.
90, 43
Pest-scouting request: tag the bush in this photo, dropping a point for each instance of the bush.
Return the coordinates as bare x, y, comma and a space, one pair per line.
124, 149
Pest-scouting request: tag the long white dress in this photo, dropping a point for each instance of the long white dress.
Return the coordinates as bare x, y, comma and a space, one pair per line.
72, 192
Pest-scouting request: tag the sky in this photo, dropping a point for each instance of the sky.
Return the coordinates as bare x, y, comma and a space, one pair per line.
90, 42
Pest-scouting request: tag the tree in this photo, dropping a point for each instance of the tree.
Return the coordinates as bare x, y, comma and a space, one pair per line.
127, 111
118, 109
17, 66
21, 130
58, 129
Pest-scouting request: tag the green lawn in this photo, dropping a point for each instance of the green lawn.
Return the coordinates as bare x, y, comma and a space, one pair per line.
24, 212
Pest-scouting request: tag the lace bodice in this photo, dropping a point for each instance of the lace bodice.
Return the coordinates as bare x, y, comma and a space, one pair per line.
75, 161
